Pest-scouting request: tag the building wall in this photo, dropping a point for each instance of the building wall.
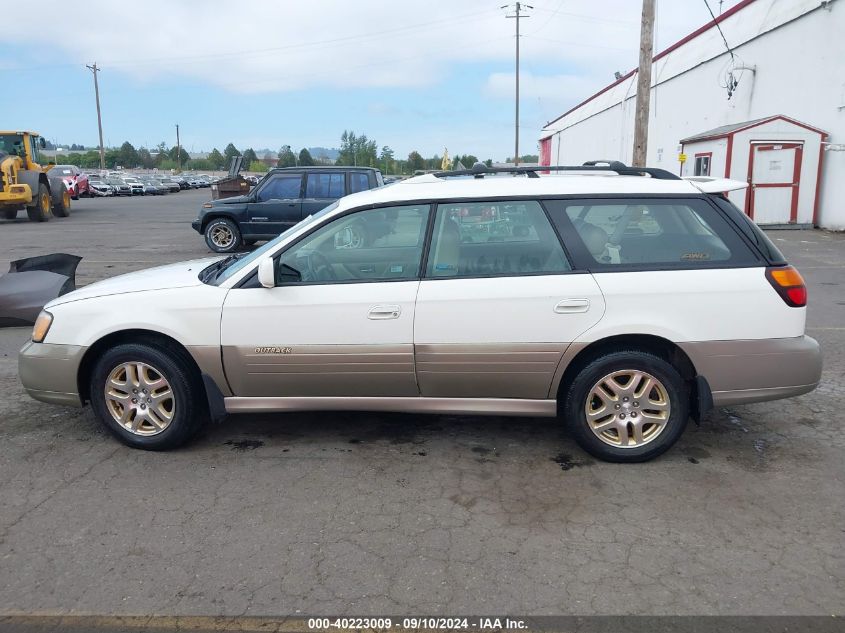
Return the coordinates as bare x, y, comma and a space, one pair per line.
796, 52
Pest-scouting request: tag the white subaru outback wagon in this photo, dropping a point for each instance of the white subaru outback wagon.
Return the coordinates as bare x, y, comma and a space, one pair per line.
624, 301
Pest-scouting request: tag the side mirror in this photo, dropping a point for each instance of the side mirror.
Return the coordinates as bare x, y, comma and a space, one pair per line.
266, 273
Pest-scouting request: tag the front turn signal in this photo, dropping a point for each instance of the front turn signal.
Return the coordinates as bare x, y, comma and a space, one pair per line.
42, 326
789, 284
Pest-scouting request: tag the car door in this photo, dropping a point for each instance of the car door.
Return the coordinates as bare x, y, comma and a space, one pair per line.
339, 322
499, 303
321, 189
276, 205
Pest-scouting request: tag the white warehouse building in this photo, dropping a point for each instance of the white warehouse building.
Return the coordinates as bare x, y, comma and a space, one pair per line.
769, 111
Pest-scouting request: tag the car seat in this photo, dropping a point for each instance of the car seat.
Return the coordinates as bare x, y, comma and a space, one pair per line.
447, 254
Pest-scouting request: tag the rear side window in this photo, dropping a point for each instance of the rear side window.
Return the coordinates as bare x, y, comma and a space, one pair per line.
662, 233
473, 239
751, 230
325, 185
358, 182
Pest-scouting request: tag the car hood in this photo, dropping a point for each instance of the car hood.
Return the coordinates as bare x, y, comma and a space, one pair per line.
181, 275
232, 200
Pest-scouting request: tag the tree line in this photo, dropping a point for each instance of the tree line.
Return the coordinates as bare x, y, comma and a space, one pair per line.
355, 150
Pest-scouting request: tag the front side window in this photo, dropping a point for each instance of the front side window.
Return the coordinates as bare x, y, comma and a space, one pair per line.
324, 185
673, 233
281, 188
494, 238
373, 245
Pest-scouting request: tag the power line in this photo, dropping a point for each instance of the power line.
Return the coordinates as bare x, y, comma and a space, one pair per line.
719, 27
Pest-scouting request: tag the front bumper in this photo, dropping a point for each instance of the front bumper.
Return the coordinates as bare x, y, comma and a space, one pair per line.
197, 225
49, 372
745, 371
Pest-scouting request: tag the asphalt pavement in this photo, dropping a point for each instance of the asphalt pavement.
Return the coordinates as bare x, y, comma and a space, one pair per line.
403, 514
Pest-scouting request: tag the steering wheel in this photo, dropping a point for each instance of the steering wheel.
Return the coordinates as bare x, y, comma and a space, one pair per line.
319, 267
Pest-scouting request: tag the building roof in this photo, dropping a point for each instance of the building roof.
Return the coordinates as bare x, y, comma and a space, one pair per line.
723, 130
727, 130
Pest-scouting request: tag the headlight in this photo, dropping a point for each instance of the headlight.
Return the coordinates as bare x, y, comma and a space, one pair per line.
42, 326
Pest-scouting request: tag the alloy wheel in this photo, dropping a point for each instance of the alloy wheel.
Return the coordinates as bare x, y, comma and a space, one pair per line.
627, 408
139, 398
222, 236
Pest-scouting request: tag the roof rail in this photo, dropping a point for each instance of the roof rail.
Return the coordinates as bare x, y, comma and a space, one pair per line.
479, 170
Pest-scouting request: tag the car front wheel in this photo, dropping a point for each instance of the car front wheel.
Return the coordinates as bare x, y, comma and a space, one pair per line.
627, 406
147, 397
222, 236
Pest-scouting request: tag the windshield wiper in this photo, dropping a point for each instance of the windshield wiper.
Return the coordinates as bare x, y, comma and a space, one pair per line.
214, 270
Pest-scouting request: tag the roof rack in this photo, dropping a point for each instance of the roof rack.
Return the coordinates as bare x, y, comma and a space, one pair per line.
479, 170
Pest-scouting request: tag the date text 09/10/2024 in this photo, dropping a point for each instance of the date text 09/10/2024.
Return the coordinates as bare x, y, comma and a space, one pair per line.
418, 623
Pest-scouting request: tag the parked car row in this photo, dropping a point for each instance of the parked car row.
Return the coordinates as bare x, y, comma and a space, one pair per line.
118, 183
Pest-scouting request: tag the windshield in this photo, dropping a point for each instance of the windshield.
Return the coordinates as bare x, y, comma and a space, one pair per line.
258, 253
60, 170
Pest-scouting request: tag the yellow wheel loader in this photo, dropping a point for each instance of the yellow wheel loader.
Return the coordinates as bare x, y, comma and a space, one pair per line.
24, 183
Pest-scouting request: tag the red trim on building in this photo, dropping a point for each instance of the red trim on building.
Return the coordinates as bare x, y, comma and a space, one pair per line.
729, 157
719, 19
734, 9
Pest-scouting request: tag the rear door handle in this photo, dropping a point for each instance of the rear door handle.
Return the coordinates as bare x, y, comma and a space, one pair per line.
569, 306
384, 312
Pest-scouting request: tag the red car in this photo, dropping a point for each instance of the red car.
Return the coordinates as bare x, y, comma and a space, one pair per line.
75, 180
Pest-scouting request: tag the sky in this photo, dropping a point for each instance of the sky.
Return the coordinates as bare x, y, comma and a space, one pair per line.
414, 75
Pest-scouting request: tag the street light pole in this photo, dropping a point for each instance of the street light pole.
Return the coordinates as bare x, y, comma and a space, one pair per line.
643, 85
95, 70
178, 151
517, 16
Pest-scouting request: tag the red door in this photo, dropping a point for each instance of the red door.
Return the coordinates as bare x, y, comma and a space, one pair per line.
774, 171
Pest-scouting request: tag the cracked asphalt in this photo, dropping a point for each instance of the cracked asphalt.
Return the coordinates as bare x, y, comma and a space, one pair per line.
365, 514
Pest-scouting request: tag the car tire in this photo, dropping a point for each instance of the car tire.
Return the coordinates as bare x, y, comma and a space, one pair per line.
175, 409
76, 194
61, 209
10, 214
627, 406
41, 211
222, 235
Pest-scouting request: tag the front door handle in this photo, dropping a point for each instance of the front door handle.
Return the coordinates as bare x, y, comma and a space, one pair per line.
384, 312
569, 306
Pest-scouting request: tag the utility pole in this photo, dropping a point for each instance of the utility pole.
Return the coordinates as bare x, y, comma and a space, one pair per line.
178, 151
644, 85
95, 70
517, 16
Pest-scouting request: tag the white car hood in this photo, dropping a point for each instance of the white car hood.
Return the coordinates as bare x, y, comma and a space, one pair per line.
181, 275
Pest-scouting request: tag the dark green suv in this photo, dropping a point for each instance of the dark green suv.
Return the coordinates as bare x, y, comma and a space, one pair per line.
281, 199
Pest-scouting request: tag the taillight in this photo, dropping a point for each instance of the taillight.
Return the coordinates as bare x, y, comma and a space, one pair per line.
789, 284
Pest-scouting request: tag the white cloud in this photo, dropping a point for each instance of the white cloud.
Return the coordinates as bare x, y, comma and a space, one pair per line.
258, 46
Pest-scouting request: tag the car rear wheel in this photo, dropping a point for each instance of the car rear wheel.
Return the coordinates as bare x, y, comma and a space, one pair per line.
222, 236
147, 397
627, 406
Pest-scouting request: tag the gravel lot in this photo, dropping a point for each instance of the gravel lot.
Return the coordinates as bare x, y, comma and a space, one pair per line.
401, 514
